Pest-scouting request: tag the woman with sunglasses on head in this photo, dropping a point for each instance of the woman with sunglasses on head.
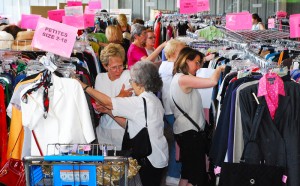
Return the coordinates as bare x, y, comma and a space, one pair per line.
136, 51
112, 83
144, 80
183, 90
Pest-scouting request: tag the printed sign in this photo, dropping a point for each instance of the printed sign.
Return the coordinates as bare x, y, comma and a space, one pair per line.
271, 23
188, 6
74, 3
89, 20
73, 10
203, 5
76, 21
29, 21
90, 11
295, 26
54, 37
56, 15
95, 4
239, 21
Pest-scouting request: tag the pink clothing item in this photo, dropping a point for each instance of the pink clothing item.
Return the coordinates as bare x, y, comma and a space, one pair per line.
270, 86
135, 54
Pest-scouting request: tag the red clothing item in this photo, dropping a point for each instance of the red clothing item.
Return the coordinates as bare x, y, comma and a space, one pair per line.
135, 54
157, 35
3, 129
270, 86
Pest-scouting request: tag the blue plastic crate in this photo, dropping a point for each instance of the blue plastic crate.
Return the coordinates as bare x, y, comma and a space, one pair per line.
74, 175
36, 174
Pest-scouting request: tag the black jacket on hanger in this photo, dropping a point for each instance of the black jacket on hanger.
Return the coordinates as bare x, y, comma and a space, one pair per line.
279, 139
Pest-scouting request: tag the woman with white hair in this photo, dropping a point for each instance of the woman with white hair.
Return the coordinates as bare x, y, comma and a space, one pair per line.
136, 51
144, 80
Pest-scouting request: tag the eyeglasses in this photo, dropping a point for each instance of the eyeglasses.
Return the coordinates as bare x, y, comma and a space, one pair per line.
131, 80
115, 68
198, 63
143, 33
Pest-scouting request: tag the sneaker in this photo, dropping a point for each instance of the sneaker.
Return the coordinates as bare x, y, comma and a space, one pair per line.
171, 181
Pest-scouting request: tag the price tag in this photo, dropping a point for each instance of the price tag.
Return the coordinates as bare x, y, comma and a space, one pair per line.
56, 15
48, 64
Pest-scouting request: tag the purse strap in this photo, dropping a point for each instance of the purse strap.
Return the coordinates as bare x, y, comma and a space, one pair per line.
37, 143
145, 111
187, 116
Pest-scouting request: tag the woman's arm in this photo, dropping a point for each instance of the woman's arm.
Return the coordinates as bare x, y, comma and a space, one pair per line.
261, 26
187, 82
121, 121
155, 53
100, 97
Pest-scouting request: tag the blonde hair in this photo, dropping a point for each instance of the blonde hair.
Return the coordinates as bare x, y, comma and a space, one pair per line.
112, 50
114, 34
122, 20
171, 47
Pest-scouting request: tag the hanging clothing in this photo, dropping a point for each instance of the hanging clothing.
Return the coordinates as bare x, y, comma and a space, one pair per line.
157, 32
68, 120
3, 128
271, 86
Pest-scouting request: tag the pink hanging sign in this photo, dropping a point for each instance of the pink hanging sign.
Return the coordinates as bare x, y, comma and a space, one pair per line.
239, 21
29, 21
271, 23
188, 6
95, 4
54, 37
89, 11
89, 20
56, 15
203, 5
75, 21
74, 3
294, 26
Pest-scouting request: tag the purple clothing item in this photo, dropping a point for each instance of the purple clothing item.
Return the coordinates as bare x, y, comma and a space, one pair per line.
135, 54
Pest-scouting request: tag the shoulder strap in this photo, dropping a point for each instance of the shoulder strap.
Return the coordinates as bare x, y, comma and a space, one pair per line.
145, 110
187, 116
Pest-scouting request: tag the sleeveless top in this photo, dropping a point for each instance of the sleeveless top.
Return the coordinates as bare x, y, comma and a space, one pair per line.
191, 103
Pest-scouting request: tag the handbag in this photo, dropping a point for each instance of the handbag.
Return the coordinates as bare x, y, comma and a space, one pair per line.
243, 174
139, 146
206, 134
12, 173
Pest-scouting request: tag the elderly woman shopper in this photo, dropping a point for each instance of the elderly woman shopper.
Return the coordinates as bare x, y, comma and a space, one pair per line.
111, 83
136, 51
183, 91
144, 80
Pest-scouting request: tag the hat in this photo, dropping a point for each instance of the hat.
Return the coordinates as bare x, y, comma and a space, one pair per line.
6, 40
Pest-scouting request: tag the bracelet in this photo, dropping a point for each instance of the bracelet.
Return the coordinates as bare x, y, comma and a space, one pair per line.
84, 89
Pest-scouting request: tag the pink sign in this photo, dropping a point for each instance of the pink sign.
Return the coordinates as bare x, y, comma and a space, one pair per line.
76, 21
89, 20
95, 4
29, 21
239, 21
54, 37
295, 26
271, 23
89, 11
56, 15
74, 3
203, 5
188, 6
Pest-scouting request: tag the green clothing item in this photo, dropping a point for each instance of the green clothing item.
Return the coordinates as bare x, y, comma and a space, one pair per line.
100, 37
210, 33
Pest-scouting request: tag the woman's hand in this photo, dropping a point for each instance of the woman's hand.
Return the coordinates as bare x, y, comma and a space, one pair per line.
125, 93
100, 108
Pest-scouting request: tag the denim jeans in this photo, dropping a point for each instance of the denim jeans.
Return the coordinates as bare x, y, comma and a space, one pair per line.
174, 168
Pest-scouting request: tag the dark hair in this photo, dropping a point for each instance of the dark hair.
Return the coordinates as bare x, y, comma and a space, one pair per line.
137, 20
256, 17
13, 30
185, 54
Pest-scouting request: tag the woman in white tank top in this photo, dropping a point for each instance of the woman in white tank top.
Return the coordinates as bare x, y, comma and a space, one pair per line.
183, 91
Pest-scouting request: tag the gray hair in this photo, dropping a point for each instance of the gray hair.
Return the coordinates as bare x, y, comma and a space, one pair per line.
136, 29
145, 73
